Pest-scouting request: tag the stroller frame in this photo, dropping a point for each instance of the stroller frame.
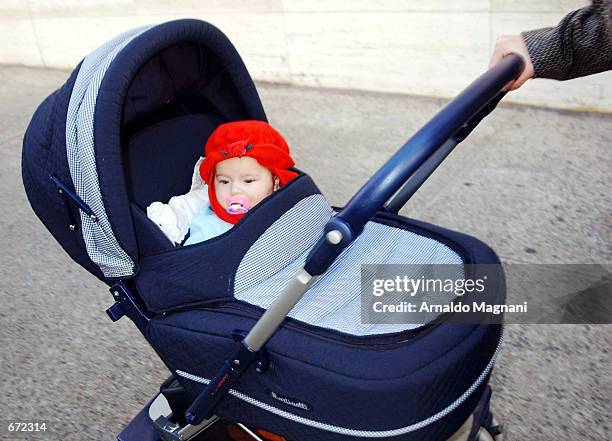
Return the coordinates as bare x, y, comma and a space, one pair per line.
388, 189
173, 84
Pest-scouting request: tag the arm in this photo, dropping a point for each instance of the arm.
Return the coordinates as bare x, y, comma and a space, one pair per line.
580, 45
174, 218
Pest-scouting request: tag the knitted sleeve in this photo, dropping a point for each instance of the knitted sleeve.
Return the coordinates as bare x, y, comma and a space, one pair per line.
581, 44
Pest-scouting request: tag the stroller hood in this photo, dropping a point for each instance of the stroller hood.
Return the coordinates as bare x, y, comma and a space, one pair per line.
81, 151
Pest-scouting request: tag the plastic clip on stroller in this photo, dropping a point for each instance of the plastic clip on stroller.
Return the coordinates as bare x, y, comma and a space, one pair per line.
67, 193
161, 414
344, 227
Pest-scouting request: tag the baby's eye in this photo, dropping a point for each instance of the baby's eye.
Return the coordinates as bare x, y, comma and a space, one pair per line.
223, 181
249, 181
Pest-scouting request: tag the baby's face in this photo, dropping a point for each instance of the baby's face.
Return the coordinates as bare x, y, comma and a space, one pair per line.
242, 183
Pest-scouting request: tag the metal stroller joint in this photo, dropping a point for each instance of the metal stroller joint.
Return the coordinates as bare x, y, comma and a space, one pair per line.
204, 404
338, 235
67, 194
262, 361
160, 414
125, 304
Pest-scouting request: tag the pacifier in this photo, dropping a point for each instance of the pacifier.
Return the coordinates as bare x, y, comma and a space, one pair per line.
238, 205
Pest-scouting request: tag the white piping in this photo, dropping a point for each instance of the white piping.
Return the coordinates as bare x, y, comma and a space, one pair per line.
354, 432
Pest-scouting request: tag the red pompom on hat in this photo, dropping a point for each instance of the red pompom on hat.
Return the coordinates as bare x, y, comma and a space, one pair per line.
255, 139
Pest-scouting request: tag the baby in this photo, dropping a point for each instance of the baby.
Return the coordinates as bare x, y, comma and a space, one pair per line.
245, 162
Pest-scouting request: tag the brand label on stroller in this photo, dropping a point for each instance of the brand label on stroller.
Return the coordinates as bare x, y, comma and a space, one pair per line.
289, 401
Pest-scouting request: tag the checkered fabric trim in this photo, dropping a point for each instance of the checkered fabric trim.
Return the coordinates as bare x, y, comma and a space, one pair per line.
101, 244
283, 242
334, 300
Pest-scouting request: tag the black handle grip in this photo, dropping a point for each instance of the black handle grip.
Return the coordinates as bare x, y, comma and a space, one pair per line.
205, 403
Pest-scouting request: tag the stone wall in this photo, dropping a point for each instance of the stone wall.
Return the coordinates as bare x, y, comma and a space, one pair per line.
424, 47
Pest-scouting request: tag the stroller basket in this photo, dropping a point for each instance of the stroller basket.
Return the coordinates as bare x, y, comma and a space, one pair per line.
278, 296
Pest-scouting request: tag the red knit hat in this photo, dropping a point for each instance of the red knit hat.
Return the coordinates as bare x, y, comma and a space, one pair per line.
255, 139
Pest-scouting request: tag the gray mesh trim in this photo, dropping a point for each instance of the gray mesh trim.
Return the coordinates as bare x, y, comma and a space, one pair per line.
355, 432
334, 300
282, 243
100, 242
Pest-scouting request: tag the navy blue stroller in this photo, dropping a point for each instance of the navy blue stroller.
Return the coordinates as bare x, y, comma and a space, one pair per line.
249, 338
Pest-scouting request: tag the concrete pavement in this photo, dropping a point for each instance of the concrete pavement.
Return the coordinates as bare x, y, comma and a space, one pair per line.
534, 184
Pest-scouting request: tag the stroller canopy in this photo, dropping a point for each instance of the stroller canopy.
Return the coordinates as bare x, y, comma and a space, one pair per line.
94, 134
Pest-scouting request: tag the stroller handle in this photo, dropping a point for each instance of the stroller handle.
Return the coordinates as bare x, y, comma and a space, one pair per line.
459, 117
